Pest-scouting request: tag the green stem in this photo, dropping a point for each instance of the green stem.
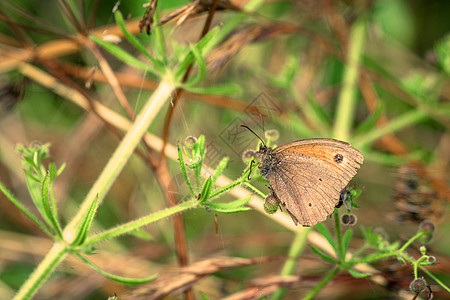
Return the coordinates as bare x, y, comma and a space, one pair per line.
133, 225
411, 240
226, 188
321, 284
337, 225
347, 98
297, 247
407, 119
56, 254
431, 275
122, 154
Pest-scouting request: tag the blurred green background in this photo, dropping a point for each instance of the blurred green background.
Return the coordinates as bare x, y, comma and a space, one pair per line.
295, 77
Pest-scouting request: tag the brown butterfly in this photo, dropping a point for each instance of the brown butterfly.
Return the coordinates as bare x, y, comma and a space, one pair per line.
307, 176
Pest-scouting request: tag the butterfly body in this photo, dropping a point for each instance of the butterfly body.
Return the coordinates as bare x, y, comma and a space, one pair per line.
307, 176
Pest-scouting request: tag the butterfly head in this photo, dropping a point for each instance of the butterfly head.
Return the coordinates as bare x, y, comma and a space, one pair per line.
263, 156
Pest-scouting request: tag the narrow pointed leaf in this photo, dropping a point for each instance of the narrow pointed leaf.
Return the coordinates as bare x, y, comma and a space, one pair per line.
141, 234
326, 234
206, 190
25, 210
228, 89
357, 274
120, 279
230, 207
347, 237
158, 42
35, 192
133, 40
232, 204
52, 171
189, 58
220, 168
86, 223
186, 152
121, 54
61, 169
46, 205
323, 255
202, 67
201, 145
218, 208
183, 169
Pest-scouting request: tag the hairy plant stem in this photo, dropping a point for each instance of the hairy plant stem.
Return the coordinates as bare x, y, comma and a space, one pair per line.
122, 154
322, 283
56, 255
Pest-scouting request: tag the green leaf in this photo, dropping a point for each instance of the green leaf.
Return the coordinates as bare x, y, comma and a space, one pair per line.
357, 274
202, 67
326, 234
31, 167
159, 39
52, 171
199, 147
52, 174
120, 279
231, 89
230, 207
86, 223
204, 297
323, 255
347, 237
186, 151
61, 169
141, 234
220, 168
121, 54
218, 208
24, 209
183, 169
206, 190
33, 185
204, 43
159, 66
189, 58
46, 205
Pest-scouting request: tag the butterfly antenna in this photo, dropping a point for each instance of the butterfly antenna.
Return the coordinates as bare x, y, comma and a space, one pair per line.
262, 123
245, 126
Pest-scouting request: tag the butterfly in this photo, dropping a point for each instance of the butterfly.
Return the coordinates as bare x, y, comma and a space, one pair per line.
307, 176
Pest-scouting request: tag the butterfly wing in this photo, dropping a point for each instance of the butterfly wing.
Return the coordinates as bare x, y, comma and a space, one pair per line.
309, 176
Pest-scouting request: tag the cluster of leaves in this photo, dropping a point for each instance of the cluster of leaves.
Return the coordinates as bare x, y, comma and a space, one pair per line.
205, 193
160, 65
375, 248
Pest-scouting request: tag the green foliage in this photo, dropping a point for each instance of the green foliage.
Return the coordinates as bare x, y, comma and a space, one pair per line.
443, 54
40, 177
408, 98
196, 157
